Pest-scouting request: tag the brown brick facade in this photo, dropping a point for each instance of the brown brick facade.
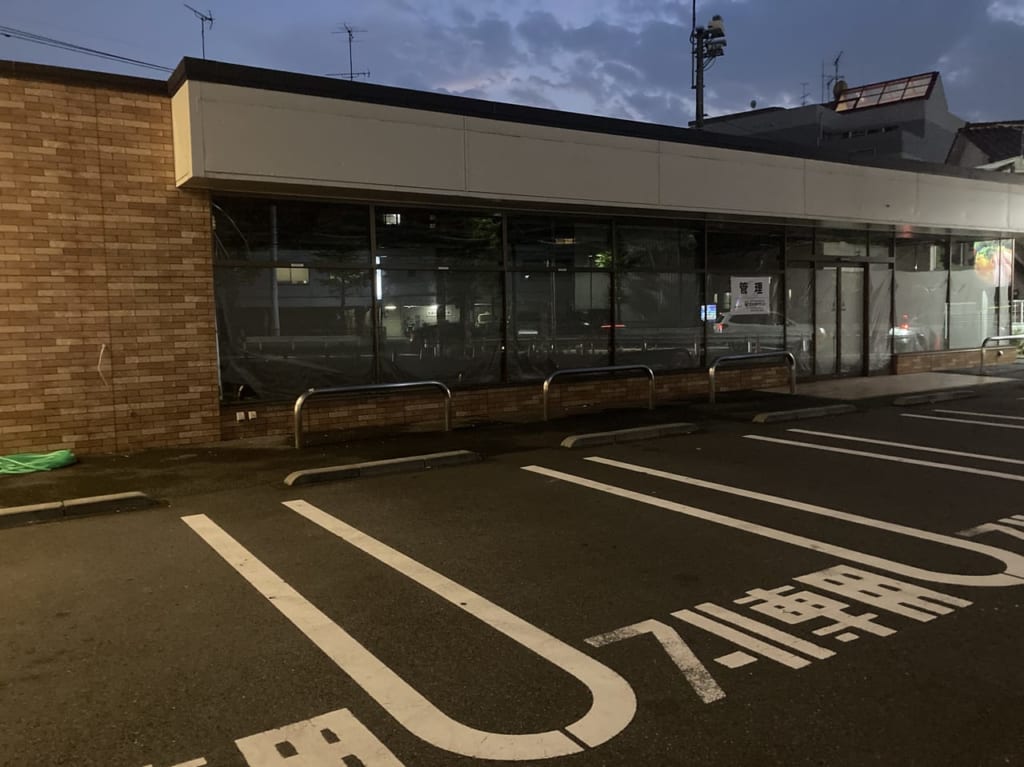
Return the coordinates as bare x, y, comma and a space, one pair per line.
516, 403
106, 299
924, 362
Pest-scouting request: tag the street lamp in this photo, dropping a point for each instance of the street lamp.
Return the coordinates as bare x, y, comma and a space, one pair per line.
706, 45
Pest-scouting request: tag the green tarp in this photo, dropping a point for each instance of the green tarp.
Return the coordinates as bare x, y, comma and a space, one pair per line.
26, 463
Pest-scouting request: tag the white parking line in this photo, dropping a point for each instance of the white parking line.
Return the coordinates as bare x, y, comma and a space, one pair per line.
979, 415
1013, 574
614, 701
961, 420
906, 446
886, 457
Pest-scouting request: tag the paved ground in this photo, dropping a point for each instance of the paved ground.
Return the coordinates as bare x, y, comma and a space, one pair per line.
843, 591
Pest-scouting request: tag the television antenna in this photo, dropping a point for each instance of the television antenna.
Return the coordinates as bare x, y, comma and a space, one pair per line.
829, 81
204, 19
351, 74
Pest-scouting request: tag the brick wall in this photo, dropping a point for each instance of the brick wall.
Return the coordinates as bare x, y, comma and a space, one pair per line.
923, 362
105, 268
518, 403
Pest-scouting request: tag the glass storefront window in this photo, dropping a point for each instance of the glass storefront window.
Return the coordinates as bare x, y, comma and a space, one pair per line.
745, 284
922, 283
976, 290
441, 325
658, 247
280, 339
558, 320
659, 320
659, 317
559, 294
880, 327
750, 315
416, 238
744, 252
290, 233
550, 242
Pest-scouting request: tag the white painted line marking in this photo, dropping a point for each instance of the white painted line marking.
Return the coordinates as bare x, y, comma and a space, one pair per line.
737, 659
906, 599
962, 420
1014, 563
394, 694
992, 527
1015, 521
906, 446
847, 636
696, 673
980, 415
893, 458
318, 742
614, 703
756, 627
743, 640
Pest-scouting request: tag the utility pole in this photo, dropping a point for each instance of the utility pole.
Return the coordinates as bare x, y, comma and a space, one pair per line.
204, 19
351, 74
706, 45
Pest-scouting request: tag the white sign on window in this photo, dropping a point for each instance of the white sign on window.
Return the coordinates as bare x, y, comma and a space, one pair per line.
751, 295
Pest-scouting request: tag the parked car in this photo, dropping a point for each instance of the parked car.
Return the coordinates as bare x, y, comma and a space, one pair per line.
766, 330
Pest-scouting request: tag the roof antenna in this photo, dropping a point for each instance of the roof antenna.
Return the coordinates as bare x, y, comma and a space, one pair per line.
351, 74
204, 19
830, 82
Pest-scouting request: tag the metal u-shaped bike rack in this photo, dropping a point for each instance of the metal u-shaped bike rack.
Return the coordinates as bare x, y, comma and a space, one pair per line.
607, 369
787, 356
306, 396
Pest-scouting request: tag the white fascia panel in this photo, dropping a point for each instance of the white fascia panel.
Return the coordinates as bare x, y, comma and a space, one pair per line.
1016, 204
533, 162
866, 195
267, 136
963, 203
729, 181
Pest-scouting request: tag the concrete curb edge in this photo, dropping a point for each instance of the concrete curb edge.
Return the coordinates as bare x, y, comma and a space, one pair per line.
801, 414
76, 507
628, 435
930, 397
379, 468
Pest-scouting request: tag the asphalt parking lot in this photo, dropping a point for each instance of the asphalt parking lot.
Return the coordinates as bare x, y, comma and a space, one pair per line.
838, 591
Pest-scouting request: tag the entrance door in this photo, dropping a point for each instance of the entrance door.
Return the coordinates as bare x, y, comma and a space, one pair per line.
839, 319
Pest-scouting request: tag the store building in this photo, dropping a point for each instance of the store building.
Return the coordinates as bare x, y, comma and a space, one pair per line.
180, 257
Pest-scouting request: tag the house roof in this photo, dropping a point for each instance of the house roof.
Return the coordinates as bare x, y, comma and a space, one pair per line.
997, 140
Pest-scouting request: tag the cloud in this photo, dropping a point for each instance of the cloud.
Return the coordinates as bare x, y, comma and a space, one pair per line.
1007, 10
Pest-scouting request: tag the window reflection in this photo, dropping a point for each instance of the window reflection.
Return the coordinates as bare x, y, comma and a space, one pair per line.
559, 295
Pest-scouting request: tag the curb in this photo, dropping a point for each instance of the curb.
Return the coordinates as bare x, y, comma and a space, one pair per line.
628, 435
803, 413
941, 396
378, 468
76, 507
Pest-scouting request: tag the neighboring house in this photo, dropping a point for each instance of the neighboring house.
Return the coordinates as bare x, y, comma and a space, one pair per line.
903, 119
995, 146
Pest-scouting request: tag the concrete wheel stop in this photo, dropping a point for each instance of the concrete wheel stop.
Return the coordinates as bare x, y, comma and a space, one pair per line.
378, 468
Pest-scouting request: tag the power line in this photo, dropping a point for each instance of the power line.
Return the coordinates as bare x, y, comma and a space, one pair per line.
30, 37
